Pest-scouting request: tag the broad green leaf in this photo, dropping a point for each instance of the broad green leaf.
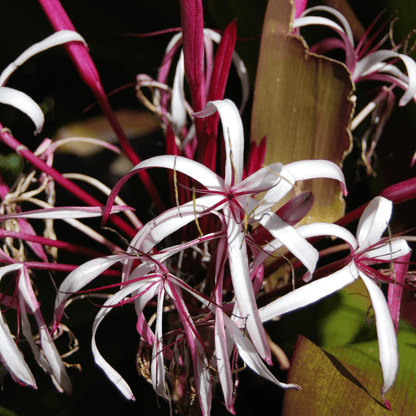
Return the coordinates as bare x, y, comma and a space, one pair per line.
6, 412
347, 380
302, 103
344, 317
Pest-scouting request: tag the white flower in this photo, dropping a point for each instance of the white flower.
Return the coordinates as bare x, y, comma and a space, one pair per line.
369, 249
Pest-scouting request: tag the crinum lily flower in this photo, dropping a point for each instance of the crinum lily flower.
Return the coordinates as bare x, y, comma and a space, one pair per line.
25, 302
233, 198
369, 249
153, 279
366, 62
372, 66
19, 99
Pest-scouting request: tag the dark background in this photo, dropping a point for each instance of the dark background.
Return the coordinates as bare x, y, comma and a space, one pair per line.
119, 59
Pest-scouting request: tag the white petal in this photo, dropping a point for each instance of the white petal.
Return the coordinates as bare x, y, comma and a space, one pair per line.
12, 358
172, 220
365, 65
338, 15
232, 127
276, 193
109, 371
79, 278
25, 104
387, 342
262, 180
311, 169
157, 365
373, 222
55, 367
310, 293
63, 213
390, 250
195, 170
290, 237
223, 361
243, 289
306, 231
316, 20
249, 354
178, 98
58, 38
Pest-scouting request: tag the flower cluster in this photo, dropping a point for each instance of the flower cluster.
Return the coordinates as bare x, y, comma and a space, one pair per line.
201, 264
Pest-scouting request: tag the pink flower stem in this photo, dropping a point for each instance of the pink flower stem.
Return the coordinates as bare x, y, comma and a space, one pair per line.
88, 72
57, 267
4, 189
73, 248
398, 193
10, 141
395, 290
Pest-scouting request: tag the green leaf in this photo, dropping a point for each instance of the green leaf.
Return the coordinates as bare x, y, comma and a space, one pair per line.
6, 412
343, 317
347, 380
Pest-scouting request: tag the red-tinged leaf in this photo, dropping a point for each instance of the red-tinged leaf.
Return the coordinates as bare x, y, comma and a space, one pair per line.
221, 69
302, 104
255, 157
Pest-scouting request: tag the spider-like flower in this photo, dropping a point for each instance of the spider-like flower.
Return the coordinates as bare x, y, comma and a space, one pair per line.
23, 299
369, 249
234, 198
363, 65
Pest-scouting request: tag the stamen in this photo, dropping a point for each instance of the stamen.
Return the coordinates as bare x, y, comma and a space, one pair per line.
282, 177
196, 217
175, 184
235, 179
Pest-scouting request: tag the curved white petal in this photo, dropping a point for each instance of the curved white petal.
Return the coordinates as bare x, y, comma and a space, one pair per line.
245, 84
367, 64
373, 222
232, 127
195, 170
243, 289
223, 361
290, 238
316, 20
338, 15
387, 341
23, 103
306, 231
387, 251
312, 169
58, 38
261, 180
310, 293
178, 98
80, 277
172, 220
319, 229
63, 213
54, 365
157, 365
276, 193
109, 371
249, 354
12, 358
